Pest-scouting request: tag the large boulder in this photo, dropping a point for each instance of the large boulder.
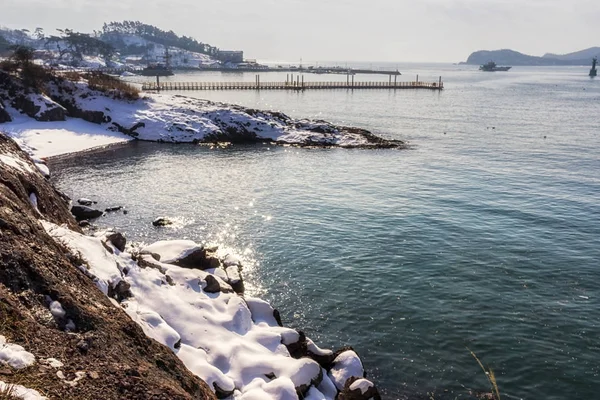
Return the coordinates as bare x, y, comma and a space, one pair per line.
52, 113
359, 389
117, 239
162, 221
38, 107
184, 253
345, 366
85, 212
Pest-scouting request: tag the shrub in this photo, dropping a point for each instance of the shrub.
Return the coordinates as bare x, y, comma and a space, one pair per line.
111, 86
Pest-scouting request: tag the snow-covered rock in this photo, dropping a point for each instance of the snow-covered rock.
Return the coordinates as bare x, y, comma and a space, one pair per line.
345, 366
234, 344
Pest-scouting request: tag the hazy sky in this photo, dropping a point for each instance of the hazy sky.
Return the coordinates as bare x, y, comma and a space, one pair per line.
351, 30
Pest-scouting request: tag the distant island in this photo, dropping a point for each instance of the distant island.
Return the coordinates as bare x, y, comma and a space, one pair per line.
511, 57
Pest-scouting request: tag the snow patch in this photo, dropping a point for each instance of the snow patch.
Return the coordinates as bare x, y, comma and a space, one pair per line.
57, 310
172, 250
15, 163
53, 362
33, 200
20, 392
15, 355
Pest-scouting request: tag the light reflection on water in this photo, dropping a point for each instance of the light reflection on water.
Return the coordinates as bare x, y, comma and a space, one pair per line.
484, 235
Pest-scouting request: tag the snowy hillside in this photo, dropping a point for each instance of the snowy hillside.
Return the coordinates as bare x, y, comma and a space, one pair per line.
130, 49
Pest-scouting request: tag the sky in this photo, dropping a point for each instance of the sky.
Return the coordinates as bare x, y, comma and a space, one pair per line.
341, 30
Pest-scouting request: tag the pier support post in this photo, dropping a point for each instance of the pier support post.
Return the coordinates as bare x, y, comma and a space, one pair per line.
157, 83
440, 84
395, 81
352, 81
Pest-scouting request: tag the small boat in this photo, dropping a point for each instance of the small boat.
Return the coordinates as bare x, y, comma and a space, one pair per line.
593, 71
492, 67
157, 70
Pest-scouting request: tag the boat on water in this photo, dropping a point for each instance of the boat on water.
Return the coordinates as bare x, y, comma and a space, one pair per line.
492, 67
593, 71
157, 70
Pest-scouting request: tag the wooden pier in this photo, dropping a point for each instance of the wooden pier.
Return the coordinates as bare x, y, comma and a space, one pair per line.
290, 85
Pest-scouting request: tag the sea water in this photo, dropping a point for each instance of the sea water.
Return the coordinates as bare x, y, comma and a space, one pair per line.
483, 236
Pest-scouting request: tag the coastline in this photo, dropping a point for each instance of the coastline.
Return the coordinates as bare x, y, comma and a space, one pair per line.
280, 363
333, 372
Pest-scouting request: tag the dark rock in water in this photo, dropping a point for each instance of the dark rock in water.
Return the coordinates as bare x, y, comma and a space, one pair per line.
357, 394
84, 223
125, 212
118, 240
121, 291
212, 285
162, 221
111, 209
86, 202
85, 212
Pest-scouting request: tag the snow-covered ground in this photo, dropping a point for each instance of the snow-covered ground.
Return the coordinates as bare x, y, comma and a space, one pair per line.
232, 342
168, 118
48, 139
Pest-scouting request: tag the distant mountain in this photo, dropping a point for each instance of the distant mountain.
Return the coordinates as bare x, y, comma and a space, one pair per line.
578, 55
511, 57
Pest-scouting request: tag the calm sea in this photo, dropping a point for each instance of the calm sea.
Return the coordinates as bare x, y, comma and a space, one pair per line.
484, 235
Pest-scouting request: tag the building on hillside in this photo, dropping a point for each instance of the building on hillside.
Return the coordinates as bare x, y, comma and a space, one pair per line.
231, 56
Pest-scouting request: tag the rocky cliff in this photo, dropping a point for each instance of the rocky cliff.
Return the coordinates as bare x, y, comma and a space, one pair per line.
82, 345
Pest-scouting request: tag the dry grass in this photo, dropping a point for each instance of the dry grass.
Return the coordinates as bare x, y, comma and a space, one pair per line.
71, 76
490, 376
8, 393
111, 86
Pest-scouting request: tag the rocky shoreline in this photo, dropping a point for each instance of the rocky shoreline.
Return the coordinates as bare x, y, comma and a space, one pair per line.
93, 301
160, 118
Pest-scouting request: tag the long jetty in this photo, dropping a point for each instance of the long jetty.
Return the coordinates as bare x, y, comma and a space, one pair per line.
289, 85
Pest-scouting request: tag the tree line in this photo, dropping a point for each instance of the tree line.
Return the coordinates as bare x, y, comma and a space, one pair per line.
112, 30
